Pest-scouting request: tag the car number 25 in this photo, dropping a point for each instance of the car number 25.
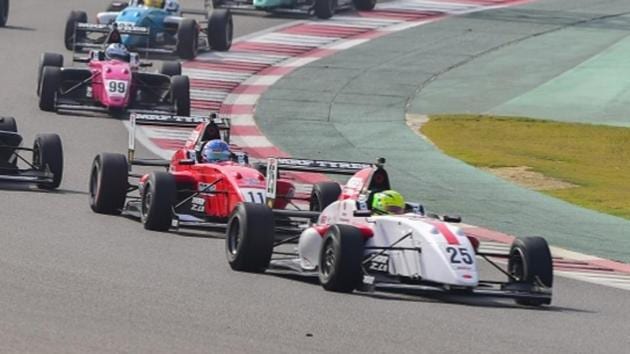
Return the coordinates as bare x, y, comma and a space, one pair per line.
459, 255
256, 196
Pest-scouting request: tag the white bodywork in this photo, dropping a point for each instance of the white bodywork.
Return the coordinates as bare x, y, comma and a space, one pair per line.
447, 255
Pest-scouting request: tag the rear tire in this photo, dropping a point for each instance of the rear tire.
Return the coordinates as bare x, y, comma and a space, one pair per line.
158, 198
48, 156
180, 95
8, 158
187, 39
249, 237
530, 263
324, 194
108, 183
340, 259
71, 24
171, 68
220, 30
51, 81
325, 9
47, 59
4, 12
364, 5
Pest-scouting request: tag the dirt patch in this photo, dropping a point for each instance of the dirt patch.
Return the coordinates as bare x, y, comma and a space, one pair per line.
525, 177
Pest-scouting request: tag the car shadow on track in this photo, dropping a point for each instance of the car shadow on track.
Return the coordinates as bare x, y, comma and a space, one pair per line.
19, 28
430, 297
20, 187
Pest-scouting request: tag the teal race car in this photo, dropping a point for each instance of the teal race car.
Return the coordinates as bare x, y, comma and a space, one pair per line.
171, 29
322, 9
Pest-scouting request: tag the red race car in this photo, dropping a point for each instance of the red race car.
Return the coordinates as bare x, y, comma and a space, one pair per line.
193, 192
113, 81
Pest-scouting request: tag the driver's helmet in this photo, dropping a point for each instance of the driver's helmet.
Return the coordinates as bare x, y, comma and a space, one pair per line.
388, 202
216, 150
154, 3
171, 5
117, 51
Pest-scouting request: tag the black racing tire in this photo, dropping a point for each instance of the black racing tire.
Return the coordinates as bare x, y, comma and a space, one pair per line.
530, 262
158, 198
340, 259
250, 237
47, 59
187, 39
116, 6
8, 157
71, 24
364, 5
51, 81
325, 9
4, 12
171, 68
108, 183
324, 194
220, 30
180, 95
8, 124
48, 156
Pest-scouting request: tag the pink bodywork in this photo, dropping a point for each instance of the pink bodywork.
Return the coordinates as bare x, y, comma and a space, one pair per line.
111, 83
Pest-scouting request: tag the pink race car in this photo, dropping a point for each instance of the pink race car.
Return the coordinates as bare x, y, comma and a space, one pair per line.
112, 82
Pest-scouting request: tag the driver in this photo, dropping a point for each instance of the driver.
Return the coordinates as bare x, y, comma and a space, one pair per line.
388, 202
154, 3
216, 150
117, 51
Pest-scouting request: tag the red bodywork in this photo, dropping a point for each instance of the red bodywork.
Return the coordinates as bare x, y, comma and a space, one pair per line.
233, 182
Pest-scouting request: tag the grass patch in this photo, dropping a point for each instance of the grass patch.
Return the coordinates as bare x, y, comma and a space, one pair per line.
594, 158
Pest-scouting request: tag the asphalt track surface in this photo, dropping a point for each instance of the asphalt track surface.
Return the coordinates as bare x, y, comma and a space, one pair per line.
73, 281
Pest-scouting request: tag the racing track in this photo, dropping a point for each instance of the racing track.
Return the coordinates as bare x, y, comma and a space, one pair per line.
73, 281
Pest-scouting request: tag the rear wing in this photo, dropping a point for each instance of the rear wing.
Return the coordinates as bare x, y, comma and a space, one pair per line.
136, 119
276, 165
81, 40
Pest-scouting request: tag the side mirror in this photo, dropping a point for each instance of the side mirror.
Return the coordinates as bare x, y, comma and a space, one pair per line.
186, 162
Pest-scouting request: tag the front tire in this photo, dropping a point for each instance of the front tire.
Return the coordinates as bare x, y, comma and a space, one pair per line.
171, 68
249, 237
48, 156
180, 95
47, 59
70, 34
340, 259
51, 81
158, 198
108, 183
530, 262
220, 30
187, 39
324, 194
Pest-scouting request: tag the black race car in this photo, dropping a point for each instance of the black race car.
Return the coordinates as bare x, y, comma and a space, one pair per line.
44, 169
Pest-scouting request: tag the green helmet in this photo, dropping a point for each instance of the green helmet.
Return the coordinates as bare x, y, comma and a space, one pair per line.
388, 202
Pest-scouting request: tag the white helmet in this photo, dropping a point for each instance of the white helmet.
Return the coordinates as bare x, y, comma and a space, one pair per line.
172, 6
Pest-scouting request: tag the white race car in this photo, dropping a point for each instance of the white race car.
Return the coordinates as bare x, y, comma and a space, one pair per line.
349, 247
